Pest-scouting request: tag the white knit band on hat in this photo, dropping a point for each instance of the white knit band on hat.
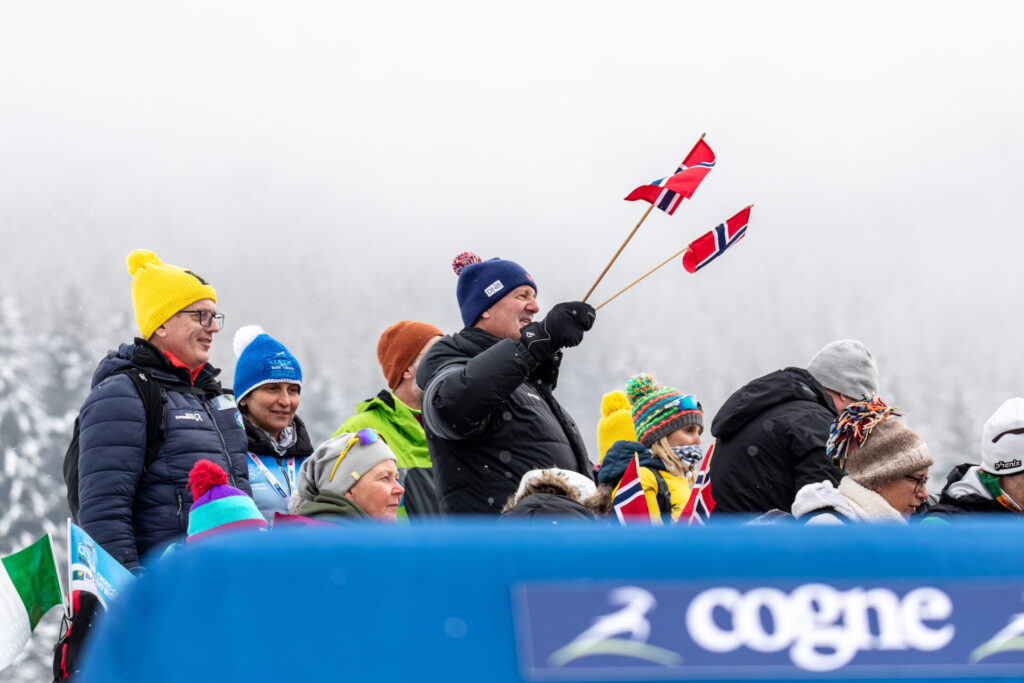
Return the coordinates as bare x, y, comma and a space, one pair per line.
1002, 439
847, 367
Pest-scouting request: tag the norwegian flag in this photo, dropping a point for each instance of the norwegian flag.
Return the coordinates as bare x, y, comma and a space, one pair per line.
629, 503
710, 245
668, 193
701, 503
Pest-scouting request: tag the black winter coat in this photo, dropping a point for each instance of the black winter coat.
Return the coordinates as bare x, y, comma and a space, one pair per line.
490, 416
130, 510
949, 505
770, 441
548, 508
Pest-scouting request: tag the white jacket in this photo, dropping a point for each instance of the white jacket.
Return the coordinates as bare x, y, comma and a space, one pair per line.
822, 503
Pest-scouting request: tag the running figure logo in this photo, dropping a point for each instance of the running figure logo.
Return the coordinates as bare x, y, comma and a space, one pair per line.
1007, 640
622, 633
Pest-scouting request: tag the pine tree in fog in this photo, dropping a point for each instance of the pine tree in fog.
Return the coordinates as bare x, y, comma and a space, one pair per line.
36, 413
32, 486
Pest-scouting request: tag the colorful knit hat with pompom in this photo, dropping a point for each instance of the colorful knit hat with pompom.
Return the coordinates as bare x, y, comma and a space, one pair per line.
616, 423
262, 360
218, 507
482, 283
871, 447
159, 290
659, 411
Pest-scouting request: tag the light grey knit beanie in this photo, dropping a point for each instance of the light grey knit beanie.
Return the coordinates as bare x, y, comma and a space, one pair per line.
319, 473
847, 367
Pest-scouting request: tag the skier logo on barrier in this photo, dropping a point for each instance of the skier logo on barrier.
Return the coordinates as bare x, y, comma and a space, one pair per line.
605, 635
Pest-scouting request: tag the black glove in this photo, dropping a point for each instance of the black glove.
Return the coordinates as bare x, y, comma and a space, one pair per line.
564, 326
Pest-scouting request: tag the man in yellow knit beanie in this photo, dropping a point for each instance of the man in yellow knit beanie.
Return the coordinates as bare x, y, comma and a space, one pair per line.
155, 409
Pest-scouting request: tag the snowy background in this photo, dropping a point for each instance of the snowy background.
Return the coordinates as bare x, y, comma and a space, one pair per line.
321, 163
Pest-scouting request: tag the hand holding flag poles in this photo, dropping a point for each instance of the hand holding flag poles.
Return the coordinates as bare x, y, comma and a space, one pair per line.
702, 250
667, 193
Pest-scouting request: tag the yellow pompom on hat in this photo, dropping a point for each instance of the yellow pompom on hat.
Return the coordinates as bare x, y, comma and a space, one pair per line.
616, 423
159, 290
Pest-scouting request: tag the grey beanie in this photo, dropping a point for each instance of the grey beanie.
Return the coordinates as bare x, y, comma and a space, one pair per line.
847, 367
890, 451
316, 472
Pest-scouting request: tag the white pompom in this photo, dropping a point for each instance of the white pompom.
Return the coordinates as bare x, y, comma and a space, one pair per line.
244, 337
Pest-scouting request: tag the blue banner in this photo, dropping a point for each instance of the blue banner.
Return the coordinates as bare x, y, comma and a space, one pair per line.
771, 629
92, 569
507, 603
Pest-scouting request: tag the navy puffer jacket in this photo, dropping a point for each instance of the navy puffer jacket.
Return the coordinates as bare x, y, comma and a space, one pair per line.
129, 511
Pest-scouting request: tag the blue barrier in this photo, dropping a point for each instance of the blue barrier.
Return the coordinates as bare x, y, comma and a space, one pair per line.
576, 602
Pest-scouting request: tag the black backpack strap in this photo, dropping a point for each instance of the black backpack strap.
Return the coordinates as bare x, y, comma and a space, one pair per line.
664, 496
153, 399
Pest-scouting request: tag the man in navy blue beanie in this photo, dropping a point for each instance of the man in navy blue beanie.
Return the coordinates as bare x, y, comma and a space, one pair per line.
488, 409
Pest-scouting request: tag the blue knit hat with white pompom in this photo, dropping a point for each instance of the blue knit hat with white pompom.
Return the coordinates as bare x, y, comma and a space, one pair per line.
262, 360
482, 283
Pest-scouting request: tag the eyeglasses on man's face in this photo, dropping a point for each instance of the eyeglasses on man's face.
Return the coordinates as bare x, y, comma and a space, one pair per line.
206, 318
919, 482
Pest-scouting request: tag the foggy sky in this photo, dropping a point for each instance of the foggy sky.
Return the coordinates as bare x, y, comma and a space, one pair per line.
321, 164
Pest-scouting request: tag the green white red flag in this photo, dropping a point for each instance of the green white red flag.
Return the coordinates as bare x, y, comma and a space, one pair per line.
29, 587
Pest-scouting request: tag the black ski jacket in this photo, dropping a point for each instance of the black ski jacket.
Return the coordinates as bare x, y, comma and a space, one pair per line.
950, 505
490, 417
770, 441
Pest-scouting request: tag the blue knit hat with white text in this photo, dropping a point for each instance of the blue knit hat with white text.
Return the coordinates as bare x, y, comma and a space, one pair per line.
483, 283
262, 360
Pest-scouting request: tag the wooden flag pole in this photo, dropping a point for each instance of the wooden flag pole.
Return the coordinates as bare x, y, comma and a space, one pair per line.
678, 253
601, 276
598, 307
639, 223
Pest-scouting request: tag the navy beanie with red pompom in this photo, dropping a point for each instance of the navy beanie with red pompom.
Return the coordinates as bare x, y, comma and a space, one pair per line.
482, 283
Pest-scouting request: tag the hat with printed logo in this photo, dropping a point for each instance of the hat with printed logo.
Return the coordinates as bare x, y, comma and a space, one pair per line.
483, 283
1002, 439
262, 360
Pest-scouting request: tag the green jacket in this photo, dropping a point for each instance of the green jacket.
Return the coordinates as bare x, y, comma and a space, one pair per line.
403, 433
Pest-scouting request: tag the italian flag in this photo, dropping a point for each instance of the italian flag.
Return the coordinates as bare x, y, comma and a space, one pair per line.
29, 587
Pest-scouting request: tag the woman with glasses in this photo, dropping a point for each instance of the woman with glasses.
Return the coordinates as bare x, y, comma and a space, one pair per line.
348, 478
268, 380
885, 465
668, 425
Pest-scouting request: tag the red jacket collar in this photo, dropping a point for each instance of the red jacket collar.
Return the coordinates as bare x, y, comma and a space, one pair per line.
178, 364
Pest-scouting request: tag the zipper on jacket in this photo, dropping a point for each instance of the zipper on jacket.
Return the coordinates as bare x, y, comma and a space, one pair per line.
180, 507
223, 443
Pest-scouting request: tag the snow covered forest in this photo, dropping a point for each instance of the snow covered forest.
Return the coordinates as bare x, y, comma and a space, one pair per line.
321, 165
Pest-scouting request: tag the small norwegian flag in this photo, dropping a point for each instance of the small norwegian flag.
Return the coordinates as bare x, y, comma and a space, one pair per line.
710, 245
701, 503
629, 502
668, 193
